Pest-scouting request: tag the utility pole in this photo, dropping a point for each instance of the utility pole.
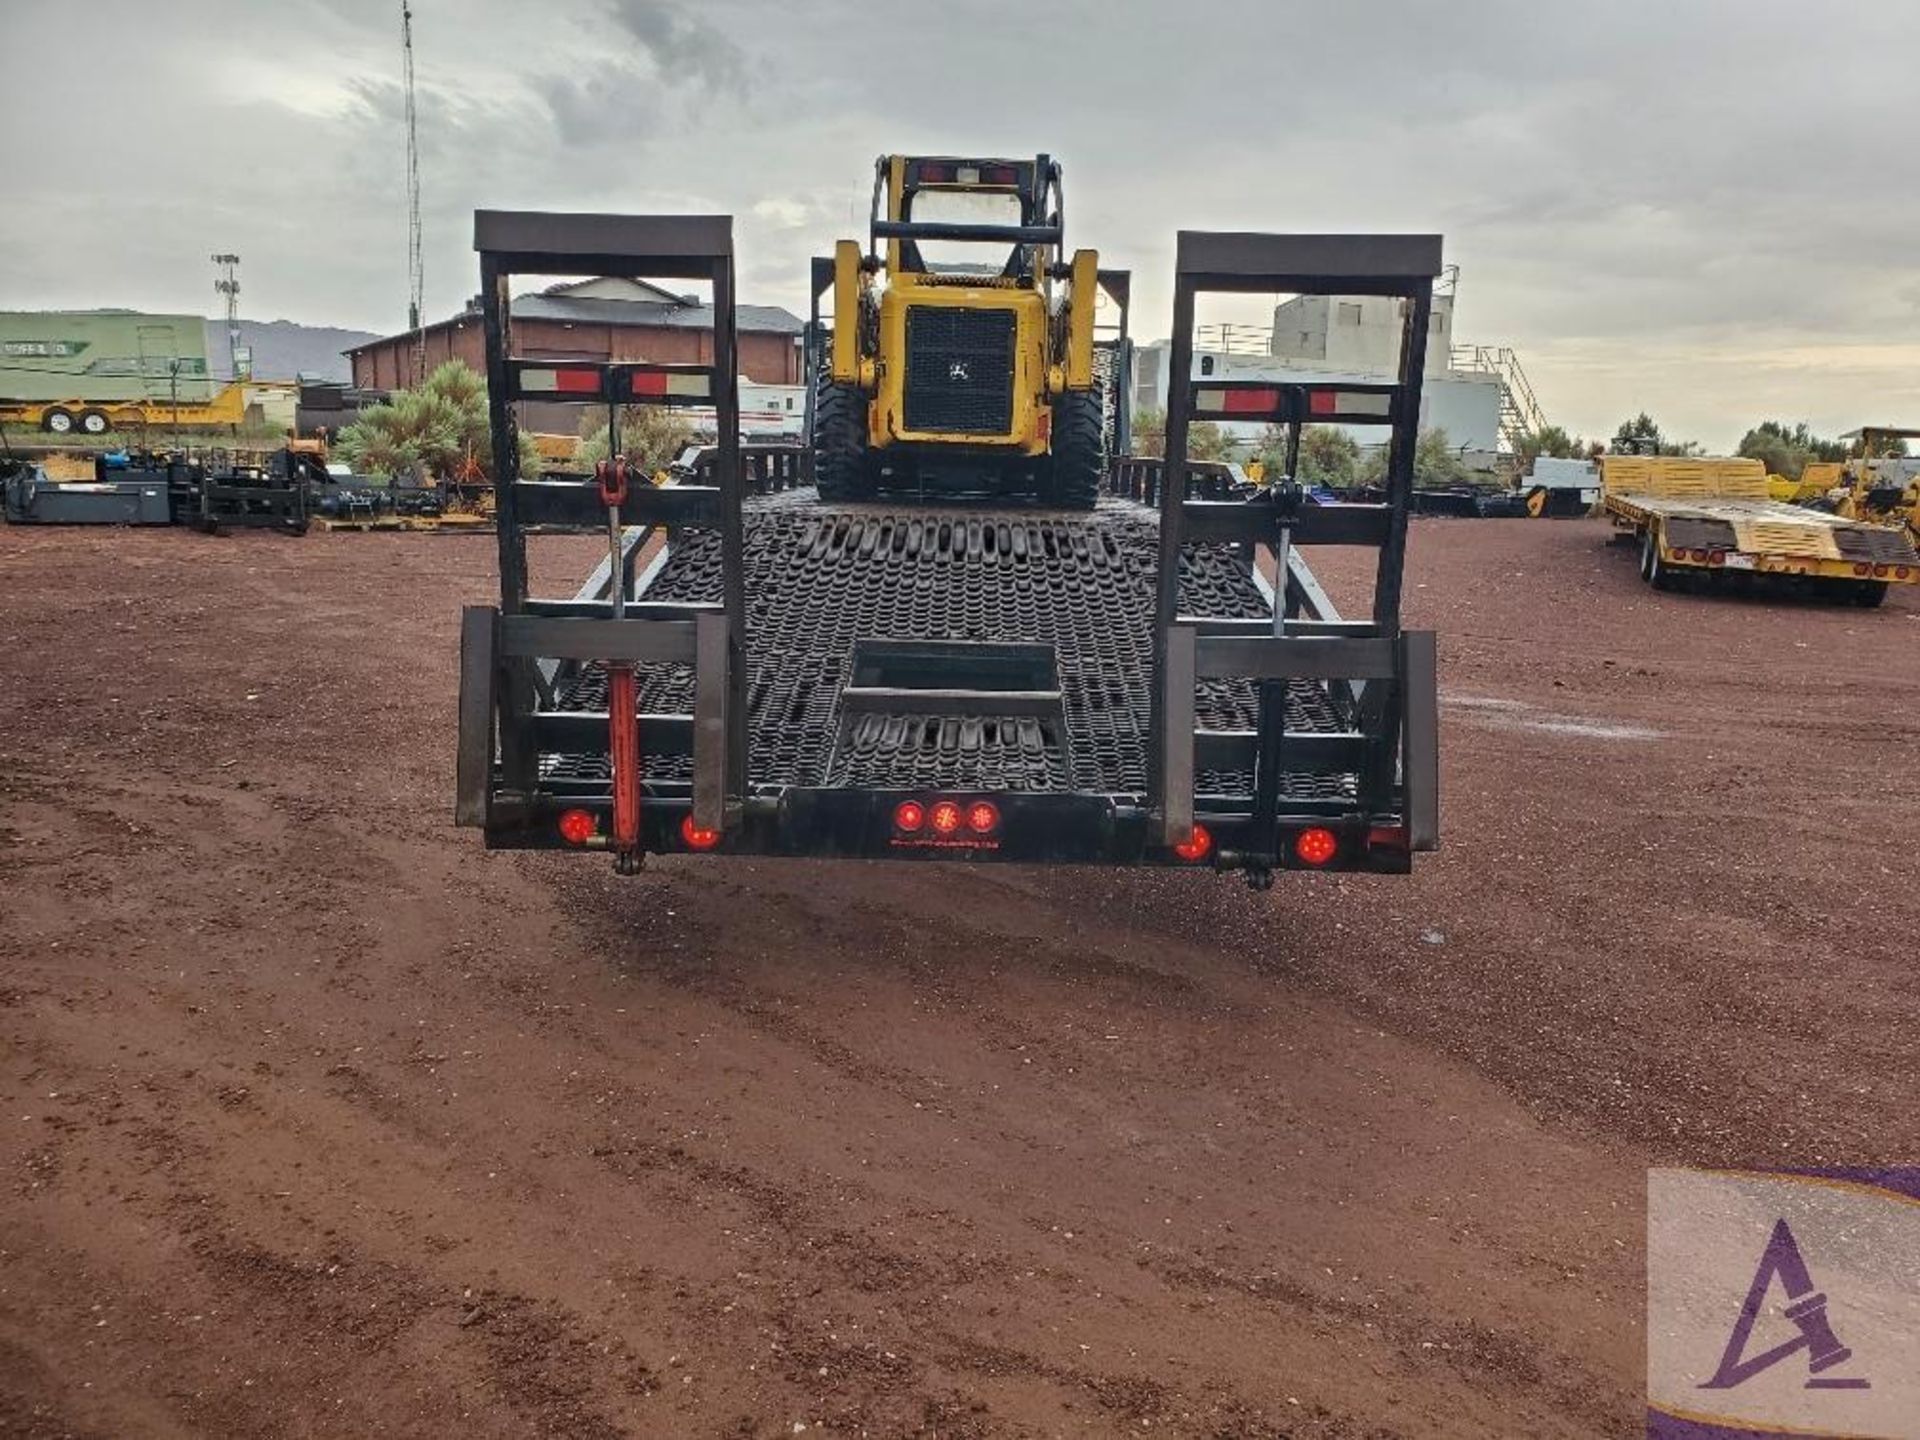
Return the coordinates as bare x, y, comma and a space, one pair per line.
415, 272
229, 285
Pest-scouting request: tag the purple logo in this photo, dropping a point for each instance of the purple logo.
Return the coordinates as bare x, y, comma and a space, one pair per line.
1808, 1312
1783, 1303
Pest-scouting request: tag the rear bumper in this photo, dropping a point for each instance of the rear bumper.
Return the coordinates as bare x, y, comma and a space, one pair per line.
1033, 829
960, 448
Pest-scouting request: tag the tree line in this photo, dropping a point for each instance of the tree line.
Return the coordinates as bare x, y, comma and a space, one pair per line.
1332, 457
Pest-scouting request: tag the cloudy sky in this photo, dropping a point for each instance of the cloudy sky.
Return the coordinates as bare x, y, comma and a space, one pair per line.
1707, 210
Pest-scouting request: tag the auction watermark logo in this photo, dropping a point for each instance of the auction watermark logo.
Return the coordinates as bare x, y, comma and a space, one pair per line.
1783, 1304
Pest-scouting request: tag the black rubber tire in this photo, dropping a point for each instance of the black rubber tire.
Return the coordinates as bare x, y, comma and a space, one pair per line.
94, 422
1646, 554
57, 421
1659, 574
1078, 466
1870, 594
842, 469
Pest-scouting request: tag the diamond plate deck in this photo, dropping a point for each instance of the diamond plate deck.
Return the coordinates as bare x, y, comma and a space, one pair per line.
819, 578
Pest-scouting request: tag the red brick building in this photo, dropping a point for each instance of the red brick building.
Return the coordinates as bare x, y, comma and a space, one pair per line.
607, 319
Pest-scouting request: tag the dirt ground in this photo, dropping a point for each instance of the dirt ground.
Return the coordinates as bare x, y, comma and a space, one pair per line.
317, 1120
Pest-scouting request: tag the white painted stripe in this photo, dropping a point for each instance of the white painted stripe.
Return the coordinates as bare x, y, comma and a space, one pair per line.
543, 380
1364, 402
689, 385
1210, 400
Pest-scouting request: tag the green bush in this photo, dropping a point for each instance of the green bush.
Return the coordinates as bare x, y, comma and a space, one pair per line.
431, 431
1436, 464
1205, 439
650, 436
1328, 456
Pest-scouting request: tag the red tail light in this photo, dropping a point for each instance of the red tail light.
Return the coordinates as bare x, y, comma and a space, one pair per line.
946, 817
1316, 846
577, 827
1881, 570
982, 816
1197, 846
1716, 557
1863, 569
1000, 175
697, 837
936, 174
909, 815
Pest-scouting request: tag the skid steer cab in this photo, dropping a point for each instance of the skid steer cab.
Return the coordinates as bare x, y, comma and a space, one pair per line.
961, 358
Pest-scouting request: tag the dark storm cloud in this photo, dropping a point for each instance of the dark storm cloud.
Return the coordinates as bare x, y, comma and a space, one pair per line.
663, 65
1701, 208
683, 45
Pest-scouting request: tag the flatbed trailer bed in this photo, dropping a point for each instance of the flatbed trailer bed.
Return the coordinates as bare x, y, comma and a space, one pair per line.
1707, 519
825, 583
952, 681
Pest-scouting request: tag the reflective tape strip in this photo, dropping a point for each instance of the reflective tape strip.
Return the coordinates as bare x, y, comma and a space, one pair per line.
691, 385
560, 382
1260, 401
1236, 402
1350, 402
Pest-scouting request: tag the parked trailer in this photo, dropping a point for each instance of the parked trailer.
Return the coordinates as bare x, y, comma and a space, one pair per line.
68, 415
1710, 521
916, 682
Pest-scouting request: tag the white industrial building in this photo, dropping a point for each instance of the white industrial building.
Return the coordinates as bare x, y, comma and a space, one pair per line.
1477, 394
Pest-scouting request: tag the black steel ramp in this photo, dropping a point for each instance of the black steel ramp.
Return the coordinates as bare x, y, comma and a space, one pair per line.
822, 581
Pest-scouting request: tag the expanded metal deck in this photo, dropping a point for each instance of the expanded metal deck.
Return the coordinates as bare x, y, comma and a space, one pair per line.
819, 579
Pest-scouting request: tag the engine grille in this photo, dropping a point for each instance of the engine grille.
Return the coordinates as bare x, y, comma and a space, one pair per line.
959, 370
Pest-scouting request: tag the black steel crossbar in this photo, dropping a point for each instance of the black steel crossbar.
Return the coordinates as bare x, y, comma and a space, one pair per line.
1216, 522
577, 504
1273, 403
578, 382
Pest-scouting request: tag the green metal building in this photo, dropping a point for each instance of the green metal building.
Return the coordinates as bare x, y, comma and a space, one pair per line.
102, 355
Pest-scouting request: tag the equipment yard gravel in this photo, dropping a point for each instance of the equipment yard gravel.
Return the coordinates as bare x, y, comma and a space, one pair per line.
319, 1121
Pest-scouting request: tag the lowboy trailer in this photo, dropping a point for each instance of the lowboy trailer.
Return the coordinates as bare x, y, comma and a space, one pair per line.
1712, 521
770, 675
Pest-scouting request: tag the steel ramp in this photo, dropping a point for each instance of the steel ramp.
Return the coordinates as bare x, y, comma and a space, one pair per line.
824, 585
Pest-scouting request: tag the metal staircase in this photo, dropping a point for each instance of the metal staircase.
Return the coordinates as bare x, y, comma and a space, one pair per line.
1520, 413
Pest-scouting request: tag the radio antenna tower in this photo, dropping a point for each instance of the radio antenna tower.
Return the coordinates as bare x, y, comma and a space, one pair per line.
229, 285
415, 274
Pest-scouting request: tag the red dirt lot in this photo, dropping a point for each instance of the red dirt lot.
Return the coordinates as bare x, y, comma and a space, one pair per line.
317, 1120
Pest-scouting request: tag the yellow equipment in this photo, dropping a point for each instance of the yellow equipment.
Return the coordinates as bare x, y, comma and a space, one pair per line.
1706, 518
559, 450
963, 359
1815, 481
228, 407
1882, 487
